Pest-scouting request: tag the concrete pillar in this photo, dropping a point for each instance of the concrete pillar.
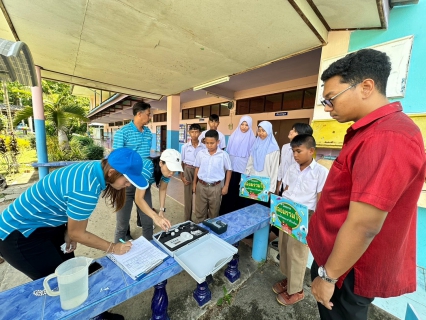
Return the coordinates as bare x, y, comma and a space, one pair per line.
173, 118
30, 124
39, 125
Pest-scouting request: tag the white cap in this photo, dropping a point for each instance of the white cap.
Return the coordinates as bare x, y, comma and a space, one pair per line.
172, 159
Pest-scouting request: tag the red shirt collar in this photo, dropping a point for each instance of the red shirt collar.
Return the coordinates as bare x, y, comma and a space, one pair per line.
376, 114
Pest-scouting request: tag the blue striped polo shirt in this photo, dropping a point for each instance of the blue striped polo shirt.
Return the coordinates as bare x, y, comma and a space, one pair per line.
69, 192
130, 137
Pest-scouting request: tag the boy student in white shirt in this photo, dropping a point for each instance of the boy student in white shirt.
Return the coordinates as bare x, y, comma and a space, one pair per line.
189, 152
213, 124
210, 167
304, 181
287, 158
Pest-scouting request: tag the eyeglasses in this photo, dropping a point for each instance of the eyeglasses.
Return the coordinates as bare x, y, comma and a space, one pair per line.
329, 102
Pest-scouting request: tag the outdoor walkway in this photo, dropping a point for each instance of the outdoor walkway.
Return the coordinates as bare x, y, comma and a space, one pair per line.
251, 295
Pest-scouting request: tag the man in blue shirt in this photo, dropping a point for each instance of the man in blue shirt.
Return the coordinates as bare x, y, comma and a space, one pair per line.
137, 136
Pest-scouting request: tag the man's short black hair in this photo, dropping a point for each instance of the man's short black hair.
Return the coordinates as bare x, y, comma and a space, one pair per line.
140, 106
195, 126
303, 139
303, 128
360, 65
212, 134
214, 117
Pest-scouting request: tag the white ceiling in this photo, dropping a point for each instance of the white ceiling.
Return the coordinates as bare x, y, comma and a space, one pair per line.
156, 48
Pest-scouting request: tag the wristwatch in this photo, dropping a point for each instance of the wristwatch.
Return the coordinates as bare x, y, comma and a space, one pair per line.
163, 209
323, 275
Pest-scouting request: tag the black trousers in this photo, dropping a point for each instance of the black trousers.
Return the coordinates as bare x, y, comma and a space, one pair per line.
38, 255
232, 200
347, 304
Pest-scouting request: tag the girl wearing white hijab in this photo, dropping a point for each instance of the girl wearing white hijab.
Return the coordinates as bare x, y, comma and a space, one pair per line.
239, 147
265, 155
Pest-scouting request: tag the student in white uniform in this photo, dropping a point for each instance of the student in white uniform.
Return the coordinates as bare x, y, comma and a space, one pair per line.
210, 167
304, 182
264, 157
189, 152
239, 147
213, 124
287, 158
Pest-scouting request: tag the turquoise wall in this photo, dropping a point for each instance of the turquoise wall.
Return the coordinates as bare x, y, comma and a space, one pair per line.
403, 21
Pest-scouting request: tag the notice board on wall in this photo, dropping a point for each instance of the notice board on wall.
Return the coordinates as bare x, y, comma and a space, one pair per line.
399, 52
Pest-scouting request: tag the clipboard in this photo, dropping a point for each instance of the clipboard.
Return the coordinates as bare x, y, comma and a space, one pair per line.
141, 259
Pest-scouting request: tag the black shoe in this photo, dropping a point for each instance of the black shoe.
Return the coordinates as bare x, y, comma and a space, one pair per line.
274, 244
108, 316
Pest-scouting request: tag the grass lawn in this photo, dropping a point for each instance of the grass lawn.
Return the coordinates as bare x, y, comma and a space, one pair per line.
24, 159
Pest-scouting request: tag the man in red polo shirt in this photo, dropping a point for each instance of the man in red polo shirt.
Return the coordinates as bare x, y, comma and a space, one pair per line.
363, 233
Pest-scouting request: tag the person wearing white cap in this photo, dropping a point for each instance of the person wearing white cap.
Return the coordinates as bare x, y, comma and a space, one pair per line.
165, 167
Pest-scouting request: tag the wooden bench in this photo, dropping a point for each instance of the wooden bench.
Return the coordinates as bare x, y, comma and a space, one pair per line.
111, 286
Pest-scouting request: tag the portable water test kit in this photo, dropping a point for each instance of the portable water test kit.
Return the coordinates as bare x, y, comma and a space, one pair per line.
197, 251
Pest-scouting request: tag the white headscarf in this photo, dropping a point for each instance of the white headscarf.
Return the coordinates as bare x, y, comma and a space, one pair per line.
240, 144
263, 147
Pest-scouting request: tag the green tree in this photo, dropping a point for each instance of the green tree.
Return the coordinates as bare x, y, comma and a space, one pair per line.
18, 94
59, 109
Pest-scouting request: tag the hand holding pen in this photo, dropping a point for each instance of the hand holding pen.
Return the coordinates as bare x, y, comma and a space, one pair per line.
122, 247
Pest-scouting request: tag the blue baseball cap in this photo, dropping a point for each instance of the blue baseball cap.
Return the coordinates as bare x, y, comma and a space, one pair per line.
129, 164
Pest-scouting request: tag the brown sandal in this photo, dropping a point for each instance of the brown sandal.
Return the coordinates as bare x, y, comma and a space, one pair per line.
280, 287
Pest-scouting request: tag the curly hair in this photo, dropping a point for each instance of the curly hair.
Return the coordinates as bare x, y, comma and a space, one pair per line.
360, 65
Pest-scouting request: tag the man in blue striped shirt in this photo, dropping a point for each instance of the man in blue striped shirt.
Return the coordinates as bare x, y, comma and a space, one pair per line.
137, 136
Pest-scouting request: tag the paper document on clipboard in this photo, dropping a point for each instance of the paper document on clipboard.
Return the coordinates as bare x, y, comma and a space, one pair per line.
142, 258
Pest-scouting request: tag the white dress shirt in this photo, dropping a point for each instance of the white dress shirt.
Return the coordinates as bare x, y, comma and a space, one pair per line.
287, 159
270, 168
304, 186
212, 167
222, 141
188, 152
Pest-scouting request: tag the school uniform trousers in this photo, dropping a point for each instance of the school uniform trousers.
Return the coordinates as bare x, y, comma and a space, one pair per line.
207, 201
188, 173
293, 259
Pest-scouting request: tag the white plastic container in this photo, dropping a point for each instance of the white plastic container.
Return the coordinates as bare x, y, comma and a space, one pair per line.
73, 282
203, 256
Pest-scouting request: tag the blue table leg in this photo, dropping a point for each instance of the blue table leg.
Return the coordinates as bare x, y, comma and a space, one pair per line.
260, 244
202, 294
232, 273
160, 302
